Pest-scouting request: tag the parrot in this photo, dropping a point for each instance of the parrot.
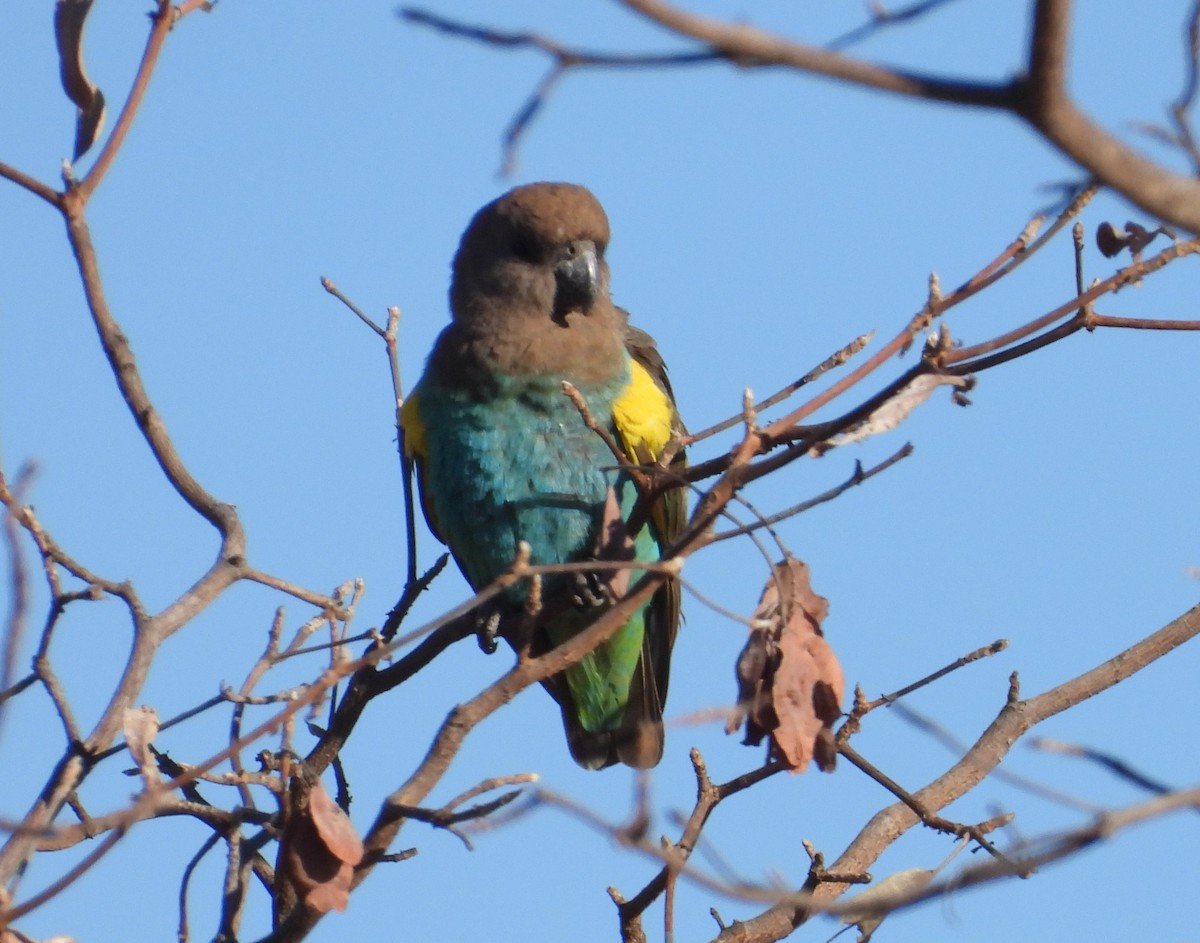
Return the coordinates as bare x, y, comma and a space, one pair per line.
503, 456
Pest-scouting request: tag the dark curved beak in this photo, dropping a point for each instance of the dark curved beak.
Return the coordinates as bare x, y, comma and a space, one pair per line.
577, 274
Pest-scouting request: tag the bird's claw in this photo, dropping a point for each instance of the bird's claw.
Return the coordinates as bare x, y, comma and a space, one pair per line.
487, 628
591, 591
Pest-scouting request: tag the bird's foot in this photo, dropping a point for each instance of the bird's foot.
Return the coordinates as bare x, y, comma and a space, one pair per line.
590, 590
487, 627
492, 621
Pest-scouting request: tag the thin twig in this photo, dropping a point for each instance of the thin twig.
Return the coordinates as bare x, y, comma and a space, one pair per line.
857, 477
1113, 764
835, 359
330, 287
563, 59
928, 818
32, 184
206, 846
987, 651
1143, 324
1045, 850
881, 17
18, 580
942, 735
1182, 106
1125, 276
1014, 719
161, 22
407, 470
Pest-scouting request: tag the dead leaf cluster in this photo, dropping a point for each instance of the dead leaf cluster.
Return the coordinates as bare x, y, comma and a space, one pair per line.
319, 851
790, 684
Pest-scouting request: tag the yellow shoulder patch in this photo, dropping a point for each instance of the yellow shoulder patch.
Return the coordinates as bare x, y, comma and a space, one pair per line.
414, 429
416, 450
643, 414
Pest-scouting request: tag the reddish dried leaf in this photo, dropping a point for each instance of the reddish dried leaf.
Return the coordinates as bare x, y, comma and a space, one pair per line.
789, 595
755, 665
790, 683
320, 849
807, 694
334, 826
333, 894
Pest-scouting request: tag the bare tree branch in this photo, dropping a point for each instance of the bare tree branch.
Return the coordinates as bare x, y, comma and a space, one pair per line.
1038, 97
1015, 719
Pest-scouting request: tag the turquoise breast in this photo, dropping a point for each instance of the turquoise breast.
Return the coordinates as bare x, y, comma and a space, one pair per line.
513, 463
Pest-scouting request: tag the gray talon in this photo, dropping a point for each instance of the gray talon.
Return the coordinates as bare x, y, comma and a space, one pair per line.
590, 591
487, 627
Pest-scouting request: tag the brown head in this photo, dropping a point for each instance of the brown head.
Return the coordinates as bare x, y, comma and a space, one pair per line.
530, 291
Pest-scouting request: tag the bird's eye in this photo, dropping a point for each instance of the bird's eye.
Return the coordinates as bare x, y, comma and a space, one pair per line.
524, 248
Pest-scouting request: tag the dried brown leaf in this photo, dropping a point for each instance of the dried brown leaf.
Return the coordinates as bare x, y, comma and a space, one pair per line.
754, 666
790, 683
893, 412
320, 850
808, 695
69, 19
334, 826
333, 894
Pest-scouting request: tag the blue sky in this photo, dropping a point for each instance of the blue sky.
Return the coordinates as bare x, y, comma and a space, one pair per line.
760, 221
